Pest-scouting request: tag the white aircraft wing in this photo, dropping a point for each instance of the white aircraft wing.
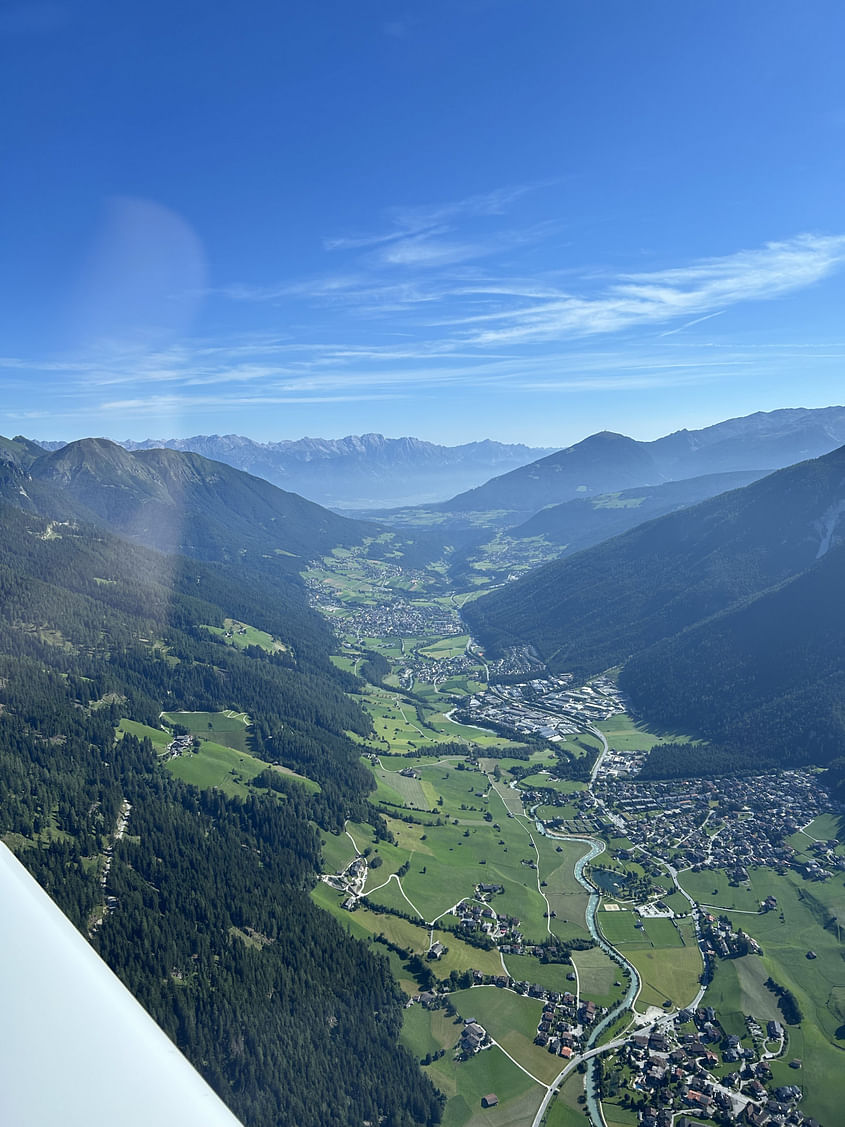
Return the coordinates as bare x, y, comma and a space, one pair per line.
76, 1049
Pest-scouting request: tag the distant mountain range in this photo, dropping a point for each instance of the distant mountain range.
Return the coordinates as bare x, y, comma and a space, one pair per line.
727, 617
608, 462
365, 471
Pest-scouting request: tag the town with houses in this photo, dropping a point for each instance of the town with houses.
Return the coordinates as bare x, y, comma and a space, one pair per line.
675, 1068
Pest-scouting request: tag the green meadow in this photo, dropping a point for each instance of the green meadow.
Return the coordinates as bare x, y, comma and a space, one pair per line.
220, 762
241, 635
512, 1021
229, 727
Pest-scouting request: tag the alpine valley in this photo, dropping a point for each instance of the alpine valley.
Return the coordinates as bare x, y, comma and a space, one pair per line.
521, 806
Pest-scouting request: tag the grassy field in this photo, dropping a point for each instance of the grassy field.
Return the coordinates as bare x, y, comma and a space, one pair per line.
567, 898
597, 974
413, 793
228, 728
527, 968
398, 729
427, 1031
447, 862
737, 990
623, 734
214, 764
453, 646
241, 635
666, 974
511, 1020
620, 927
414, 937
565, 1110
338, 852
714, 887
616, 1116
158, 738
464, 1083
666, 956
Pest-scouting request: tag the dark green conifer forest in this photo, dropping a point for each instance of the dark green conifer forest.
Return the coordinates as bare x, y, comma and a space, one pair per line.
209, 922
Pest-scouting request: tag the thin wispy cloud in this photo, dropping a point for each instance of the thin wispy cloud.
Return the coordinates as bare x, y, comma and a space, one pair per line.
432, 220
414, 311
694, 321
649, 298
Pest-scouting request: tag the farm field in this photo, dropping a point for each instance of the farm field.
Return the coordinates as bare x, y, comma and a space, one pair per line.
666, 974
414, 937
565, 1110
241, 635
338, 852
464, 1083
229, 728
215, 765
669, 962
737, 990
597, 973
527, 968
398, 729
713, 887
486, 837
623, 734
511, 1020
156, 736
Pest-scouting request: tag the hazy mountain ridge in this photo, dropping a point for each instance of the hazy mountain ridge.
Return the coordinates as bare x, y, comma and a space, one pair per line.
178, 502
358, 471
583, 523
606, 462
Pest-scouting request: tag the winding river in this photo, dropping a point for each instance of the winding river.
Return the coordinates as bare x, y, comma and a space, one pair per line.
634, 984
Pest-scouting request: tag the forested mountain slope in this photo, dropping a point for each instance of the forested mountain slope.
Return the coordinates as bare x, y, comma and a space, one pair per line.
600, 463
581, 524
181, 502
665, 584
765, 679
209, 924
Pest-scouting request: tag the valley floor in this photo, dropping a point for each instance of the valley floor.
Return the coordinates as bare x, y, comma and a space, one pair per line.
655, 978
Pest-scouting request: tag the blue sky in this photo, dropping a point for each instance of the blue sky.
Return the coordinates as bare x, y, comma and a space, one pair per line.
481, 218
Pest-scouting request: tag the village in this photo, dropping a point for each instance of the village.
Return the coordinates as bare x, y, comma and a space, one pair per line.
690, 1066
722, 823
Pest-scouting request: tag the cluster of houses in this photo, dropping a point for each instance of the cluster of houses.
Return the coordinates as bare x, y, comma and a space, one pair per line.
563, 1023
474, 1037
719, 939
825, 860
403, 619
722, 823
180, 745
675, 1070
516, 661
478, 917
